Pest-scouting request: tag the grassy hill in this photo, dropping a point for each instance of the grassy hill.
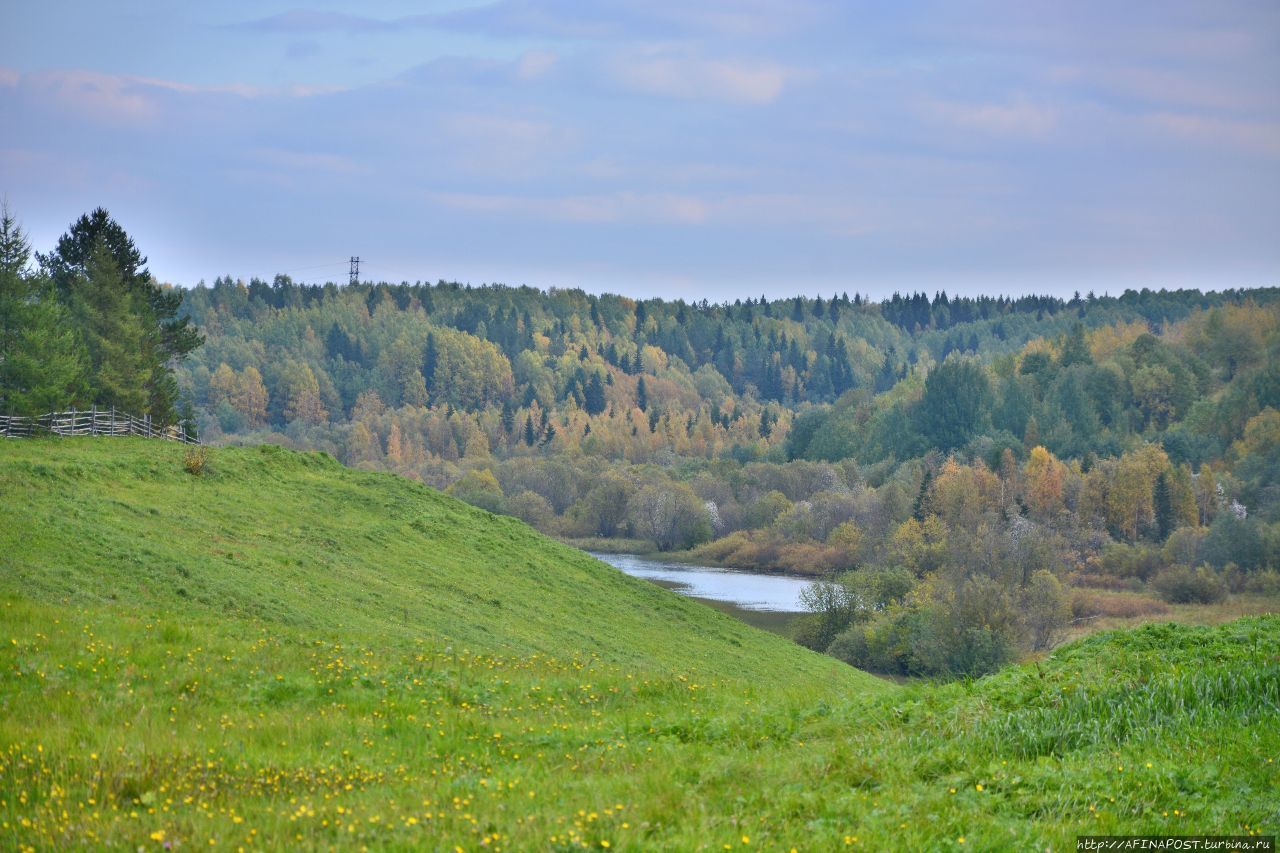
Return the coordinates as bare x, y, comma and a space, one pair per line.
296, 540
286, 652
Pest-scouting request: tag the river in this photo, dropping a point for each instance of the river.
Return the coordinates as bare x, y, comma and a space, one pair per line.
765, 601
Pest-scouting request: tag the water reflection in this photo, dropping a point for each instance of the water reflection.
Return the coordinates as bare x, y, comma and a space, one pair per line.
745, 590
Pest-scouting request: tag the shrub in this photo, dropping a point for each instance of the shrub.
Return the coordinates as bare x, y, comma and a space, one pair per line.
883, 646
1086, 605
195, 460
1184, 585
1045, 610
1130, 561
1234, 540
1263, 583
1107, 582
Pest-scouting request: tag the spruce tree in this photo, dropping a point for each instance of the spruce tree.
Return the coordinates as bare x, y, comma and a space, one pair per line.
593, 396
97, 263
108, 316
42, 359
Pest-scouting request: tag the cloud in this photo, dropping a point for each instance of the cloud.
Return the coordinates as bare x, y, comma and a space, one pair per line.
618, 207
497, 147
571, 20
109, 98
124, 99
692, 78
471, 71
628, 207
535, 63
303, 49
313, 21
1255, 137
1184, 87
1018, 119
307, 161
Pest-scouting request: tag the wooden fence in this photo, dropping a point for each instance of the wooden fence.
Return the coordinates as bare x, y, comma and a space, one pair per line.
90, 422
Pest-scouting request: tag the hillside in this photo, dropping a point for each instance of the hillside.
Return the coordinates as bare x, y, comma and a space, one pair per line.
297, 540
286, 652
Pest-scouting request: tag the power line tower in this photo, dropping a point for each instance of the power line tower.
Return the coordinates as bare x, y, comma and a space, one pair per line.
355, 270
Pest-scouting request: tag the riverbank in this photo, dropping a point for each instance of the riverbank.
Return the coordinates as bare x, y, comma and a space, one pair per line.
770, 602
699, 556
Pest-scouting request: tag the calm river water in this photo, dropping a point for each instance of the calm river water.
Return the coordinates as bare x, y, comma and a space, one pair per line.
765, 601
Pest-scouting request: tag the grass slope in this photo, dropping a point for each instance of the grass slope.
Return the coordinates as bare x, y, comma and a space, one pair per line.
288, 653
297, 540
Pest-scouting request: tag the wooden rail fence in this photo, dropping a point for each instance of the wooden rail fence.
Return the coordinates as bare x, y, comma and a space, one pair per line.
90, 422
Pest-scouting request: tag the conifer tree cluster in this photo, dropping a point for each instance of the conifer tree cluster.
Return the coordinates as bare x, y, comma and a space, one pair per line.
87, 325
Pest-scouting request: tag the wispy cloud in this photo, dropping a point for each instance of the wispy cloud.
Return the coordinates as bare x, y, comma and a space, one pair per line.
300, 21
1253, 137
1214, 90
1016, 119
570, 19
620, 207
681, 75
125, 98
308, 161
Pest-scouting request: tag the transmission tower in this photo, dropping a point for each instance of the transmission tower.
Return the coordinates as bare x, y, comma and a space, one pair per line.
355, 270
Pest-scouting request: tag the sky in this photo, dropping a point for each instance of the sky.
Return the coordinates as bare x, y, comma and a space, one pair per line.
698, 149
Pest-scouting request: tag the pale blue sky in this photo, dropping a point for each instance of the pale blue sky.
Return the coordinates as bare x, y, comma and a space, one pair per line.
660, 147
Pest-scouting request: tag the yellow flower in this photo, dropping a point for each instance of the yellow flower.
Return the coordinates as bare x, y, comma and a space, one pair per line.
158, 835
978, 786
960, 840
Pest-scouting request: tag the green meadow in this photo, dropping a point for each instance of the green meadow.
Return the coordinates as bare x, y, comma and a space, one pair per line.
284, 653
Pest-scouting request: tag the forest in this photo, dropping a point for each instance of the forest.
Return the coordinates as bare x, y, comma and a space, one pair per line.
959, 472
965, 475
